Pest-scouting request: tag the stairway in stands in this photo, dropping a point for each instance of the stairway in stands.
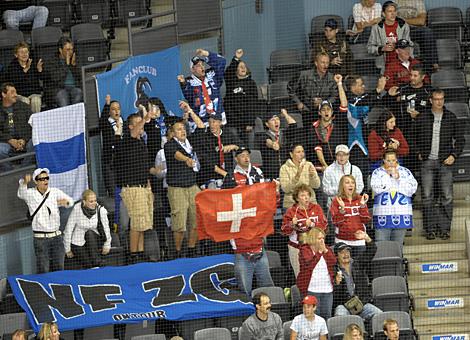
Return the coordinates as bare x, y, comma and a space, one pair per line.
439, 278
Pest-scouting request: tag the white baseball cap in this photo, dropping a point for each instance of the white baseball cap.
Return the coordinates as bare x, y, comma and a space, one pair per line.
341, 148
39, 171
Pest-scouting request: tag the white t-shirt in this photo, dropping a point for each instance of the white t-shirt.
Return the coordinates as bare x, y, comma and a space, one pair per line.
408, 9
309, 329
320, 281
362, 13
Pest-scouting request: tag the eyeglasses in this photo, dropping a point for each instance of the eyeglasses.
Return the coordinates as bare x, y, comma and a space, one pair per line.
41, 179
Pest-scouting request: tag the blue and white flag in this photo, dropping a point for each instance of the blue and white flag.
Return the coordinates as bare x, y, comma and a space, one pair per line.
142, 78
59, 142
183, 289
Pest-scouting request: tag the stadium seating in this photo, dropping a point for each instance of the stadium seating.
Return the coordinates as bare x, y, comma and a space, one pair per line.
95, 12
453, 83
212, 334
390, 293
60, 13
404, 323
388, 260
44, 41
449, 54
278, 272
90, 43
8, 40
149, 337
317, 26
232, 323
285, 65
337, 325
256, 158
287, 329
278, 300
11, 322
446, 23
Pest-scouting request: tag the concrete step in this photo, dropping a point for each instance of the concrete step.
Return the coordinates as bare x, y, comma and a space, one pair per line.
461, 208
437, 277
453, 281
463, 336
434, 247
435, 293
458, 221
427, 268
449, 316
427, 331
443, 301
436, 256
461, 191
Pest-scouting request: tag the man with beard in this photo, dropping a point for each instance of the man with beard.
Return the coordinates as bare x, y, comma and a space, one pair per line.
264, 324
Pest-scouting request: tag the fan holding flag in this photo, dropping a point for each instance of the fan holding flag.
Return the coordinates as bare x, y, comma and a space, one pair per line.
244, 215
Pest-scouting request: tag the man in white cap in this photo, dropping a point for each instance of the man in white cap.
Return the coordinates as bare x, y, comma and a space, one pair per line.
338, 169
43, 204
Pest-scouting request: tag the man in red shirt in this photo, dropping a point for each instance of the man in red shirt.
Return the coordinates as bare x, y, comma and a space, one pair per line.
385, 35
398, 71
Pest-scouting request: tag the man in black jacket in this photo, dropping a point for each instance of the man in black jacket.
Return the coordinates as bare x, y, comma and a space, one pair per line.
15, 132
440, 142
351, 279
63, 77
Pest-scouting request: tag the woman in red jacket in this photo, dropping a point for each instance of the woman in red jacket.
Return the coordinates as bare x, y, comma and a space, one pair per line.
350, 215
300, 218
385, 136
317, 262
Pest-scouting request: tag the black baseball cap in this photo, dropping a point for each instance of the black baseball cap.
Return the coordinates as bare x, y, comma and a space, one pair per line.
331, 23
403, 43
242, 149
341, 246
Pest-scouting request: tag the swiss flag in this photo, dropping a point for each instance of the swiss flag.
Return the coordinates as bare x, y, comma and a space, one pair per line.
246, 212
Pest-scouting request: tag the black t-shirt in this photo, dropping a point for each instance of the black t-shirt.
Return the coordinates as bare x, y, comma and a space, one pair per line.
132, 162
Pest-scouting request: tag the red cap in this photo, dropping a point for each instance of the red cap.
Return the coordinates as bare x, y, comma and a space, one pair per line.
310, 300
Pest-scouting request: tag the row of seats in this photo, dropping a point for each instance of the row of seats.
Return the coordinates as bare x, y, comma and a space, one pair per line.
65, 13
89, 41
446, 23
286, 64
336, 327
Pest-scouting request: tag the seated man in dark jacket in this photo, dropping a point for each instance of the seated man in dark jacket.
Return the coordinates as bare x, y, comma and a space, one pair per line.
63, 77
351, 279
15, 132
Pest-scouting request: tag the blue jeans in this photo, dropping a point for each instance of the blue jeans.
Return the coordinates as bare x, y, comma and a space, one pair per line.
390, 234
68, 95
325, 304
367, 313
49, 253
437, 219
7, 151
37, 14
244, 270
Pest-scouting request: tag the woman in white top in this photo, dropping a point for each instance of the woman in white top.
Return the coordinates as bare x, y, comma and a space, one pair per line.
84, 238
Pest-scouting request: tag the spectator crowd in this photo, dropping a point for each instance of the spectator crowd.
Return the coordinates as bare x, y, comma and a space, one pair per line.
344, 182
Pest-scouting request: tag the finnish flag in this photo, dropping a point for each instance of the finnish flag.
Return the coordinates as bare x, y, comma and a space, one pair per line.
59, 142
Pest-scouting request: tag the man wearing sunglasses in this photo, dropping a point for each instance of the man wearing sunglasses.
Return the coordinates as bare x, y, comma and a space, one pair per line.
43, 204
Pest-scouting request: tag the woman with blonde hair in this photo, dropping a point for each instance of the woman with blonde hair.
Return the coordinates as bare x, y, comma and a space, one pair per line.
299, 219
49, 331
87, 232
353, 332
350, 215
316, 276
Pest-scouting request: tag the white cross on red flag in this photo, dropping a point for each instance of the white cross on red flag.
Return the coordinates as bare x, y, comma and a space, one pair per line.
246, 212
